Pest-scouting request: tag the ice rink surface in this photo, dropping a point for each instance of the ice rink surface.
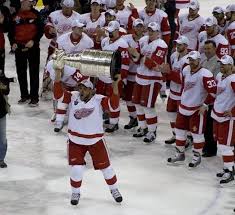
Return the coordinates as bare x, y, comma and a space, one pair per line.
36, 181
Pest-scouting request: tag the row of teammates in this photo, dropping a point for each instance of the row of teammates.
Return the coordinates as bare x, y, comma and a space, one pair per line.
143, 38
193, 75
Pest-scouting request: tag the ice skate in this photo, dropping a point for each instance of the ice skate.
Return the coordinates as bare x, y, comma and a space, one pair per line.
150, 137
75, 198
132, 123
140, 132
112, 128
171, 140
179, 157
116, 195
58, 126
196, 160
221, 174
227, 178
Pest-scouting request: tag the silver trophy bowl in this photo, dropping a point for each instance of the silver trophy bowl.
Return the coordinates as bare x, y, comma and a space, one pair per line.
93, 63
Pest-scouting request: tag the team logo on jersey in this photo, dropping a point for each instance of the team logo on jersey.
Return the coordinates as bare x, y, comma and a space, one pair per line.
186, 29
83, 113
189, 85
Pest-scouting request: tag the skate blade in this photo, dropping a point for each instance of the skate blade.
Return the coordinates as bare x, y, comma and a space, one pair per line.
148, 143
169, 145
178, 163
192, 168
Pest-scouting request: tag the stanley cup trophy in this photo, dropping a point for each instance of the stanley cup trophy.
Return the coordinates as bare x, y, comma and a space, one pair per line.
93, 63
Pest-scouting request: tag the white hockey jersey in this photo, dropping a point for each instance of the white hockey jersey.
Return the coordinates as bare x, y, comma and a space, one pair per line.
91, 24
123, 16
85, 125
222, 46
152, 53
61, 23
121, 45
64, 42
225, 98
133, 66
196, 88
177, 65
190, 29
82, 117
158, 16
71, 76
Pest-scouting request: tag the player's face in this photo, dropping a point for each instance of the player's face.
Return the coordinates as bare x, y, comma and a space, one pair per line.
26, 4
225, 68
152, 34
218, 16
114, 34
139, 29
67, 11
228, 15
210, 29
85, 92
109, 18
77, 31
194, 63
95, 7
181, 47
209, 50
193, 12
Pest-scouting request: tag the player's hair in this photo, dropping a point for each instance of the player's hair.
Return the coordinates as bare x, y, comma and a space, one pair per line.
211, 42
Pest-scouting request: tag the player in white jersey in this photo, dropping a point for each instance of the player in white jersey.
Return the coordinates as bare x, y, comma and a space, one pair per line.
86, 134
223, 114
125, 14
75, 41
114, 42
133, 42
198, 86
191, 24
72, 42
151, 14
148, 81
110, 15
218, 13
212, 33
59, 22
94, 20
230, 31
179, 59
70, 78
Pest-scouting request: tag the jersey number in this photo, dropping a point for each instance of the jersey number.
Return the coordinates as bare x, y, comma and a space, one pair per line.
125, 54
77, 76
160, 53
224, 51
211, 83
